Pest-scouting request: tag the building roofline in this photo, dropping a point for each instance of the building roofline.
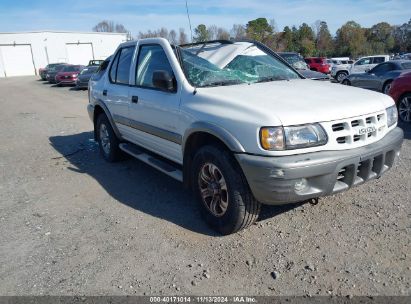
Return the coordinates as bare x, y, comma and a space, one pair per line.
51, 31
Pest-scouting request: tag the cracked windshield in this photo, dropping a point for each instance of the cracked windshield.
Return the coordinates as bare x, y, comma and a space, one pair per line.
217, 64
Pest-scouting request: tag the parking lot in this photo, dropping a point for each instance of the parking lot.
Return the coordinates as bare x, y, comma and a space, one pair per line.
73, 224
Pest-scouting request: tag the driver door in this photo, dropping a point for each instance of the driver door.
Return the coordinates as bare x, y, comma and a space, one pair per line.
153, 113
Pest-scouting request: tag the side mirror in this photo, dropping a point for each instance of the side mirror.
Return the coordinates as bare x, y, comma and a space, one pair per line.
164, 81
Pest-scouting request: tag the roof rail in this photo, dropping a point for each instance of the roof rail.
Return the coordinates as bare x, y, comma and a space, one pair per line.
207, 42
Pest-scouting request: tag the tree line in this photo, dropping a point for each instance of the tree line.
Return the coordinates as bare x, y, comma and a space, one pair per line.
351, 39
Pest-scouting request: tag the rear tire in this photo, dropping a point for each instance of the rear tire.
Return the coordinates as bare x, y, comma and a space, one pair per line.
387, 86
107, 139
222, 191
341, 76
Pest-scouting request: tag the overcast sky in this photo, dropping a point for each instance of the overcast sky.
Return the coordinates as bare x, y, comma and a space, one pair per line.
138, 15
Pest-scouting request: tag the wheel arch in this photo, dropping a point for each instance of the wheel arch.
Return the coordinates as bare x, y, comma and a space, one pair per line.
387, 81
201, 134
101, 108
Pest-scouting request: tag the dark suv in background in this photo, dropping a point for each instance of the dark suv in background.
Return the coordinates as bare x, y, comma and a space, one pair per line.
43, 71
84, 76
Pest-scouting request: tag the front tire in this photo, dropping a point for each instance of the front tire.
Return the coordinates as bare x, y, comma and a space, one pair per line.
222, 191
107, 139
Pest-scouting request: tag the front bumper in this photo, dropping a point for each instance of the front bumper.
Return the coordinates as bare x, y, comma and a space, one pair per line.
82, 84
295, 178
68, 81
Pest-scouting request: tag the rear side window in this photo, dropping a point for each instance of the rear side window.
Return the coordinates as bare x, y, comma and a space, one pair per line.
123, 68
120, 70
318, 60
103, 66
113, 69
378, 60
99, 71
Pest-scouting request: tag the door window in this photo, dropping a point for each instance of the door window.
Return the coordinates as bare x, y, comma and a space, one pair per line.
364, 61
382, 68
378, 60
120, 70
151, 58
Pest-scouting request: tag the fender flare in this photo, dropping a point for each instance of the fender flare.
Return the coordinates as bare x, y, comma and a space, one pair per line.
222, 134
101, 104
205, 127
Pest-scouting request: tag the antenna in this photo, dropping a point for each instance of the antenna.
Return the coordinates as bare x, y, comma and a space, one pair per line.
189, 22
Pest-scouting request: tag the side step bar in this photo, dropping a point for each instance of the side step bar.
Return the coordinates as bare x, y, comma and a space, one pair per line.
156, 163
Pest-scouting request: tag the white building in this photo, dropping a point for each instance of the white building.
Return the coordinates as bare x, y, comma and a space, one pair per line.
24, 53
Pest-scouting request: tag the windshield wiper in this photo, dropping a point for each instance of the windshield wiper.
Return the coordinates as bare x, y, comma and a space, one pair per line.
271, 78
222, 83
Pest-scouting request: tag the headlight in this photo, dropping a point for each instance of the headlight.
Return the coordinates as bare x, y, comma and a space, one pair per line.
296, 137
304, 136
392, 115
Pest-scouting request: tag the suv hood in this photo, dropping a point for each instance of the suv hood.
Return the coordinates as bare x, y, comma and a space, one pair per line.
299, 101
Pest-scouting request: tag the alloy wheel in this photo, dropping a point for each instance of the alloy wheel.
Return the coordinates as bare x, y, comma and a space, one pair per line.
341, 76
104, 138
404, 109
213, 189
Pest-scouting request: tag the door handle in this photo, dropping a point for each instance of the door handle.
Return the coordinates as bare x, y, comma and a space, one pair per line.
134, 99
104, 92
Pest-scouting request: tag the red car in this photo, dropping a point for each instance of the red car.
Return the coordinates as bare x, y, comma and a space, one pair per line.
400, 91
318, 64
68, 75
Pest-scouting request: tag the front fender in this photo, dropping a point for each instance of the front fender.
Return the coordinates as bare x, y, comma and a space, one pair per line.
225, 136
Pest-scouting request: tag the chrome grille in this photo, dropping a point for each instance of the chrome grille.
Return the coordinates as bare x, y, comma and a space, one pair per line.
356, 131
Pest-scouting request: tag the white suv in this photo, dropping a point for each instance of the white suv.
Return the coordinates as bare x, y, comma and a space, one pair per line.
362, 65
239, 126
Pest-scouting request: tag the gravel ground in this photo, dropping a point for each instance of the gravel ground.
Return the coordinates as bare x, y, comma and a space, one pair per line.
72, 224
